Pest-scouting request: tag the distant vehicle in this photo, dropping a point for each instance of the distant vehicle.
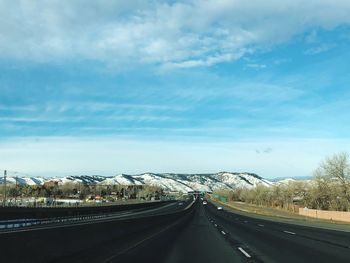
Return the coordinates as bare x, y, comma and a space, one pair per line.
181, 203
205, 202
219, 208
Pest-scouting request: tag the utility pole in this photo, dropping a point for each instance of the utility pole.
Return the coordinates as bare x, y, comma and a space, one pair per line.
16, 190
4, 199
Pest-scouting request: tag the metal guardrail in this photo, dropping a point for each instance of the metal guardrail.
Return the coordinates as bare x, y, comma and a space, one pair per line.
83, 204
14, 224
23, 223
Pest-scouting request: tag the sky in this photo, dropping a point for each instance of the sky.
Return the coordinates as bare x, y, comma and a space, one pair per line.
109, 87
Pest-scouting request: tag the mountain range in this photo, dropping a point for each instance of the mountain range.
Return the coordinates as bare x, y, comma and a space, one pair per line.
168, 181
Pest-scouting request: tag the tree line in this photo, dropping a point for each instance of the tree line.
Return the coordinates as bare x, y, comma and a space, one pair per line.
81, 191
329, 189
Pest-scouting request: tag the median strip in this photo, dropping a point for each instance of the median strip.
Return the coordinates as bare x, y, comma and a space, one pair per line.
244, 252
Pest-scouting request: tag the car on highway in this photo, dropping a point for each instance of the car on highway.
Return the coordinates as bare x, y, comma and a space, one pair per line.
205, 202
219, 208
181, 203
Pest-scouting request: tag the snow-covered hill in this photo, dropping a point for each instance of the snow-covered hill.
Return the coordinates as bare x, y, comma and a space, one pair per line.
168, 181
285, 181
24, 180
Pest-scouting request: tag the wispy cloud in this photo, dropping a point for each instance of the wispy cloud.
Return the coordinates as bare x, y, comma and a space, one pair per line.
209, 61
32, 119
256, 66
73, 119
202, 83
246, 91
319, 49
8, 108
173, 35
264, 151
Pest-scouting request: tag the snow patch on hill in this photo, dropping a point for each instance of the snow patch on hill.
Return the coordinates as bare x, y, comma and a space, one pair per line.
121, 179
168, 181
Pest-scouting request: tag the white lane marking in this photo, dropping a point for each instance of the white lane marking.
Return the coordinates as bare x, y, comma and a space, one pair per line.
288, 232
215, 225
261, 225
222, 232
245, 253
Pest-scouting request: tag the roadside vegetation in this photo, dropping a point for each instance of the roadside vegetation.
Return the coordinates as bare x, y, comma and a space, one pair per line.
51, 193
329, 189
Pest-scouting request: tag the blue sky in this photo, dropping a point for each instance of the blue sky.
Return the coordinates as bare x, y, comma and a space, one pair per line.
173, 86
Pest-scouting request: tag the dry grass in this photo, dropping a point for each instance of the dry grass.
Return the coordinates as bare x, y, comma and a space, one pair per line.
274, 212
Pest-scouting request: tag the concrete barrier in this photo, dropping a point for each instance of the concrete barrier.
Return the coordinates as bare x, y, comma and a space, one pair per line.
322, 214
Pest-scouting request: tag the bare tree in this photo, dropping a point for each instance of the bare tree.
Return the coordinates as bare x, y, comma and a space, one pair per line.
334, 172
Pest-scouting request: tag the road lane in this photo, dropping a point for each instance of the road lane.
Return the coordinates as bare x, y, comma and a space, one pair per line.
198, 234
87, 242
91, 219
270, 241
200, 241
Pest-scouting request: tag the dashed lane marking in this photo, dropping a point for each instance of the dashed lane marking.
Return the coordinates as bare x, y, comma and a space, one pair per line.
288, 232
244, 252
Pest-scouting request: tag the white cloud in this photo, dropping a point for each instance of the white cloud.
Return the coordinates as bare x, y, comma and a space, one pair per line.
319, 49
180, 34
22, 108
256, 66
244, 91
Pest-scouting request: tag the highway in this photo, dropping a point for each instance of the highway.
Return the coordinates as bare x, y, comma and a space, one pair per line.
89, 240
182, 232
44, 223
213, 235
193, 240
200, 241
271, 241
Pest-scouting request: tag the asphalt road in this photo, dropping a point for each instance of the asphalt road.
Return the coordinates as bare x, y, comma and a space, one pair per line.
179, 233
193, 239
212, 235
200, 241
88, 219
271, 241
95, 240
